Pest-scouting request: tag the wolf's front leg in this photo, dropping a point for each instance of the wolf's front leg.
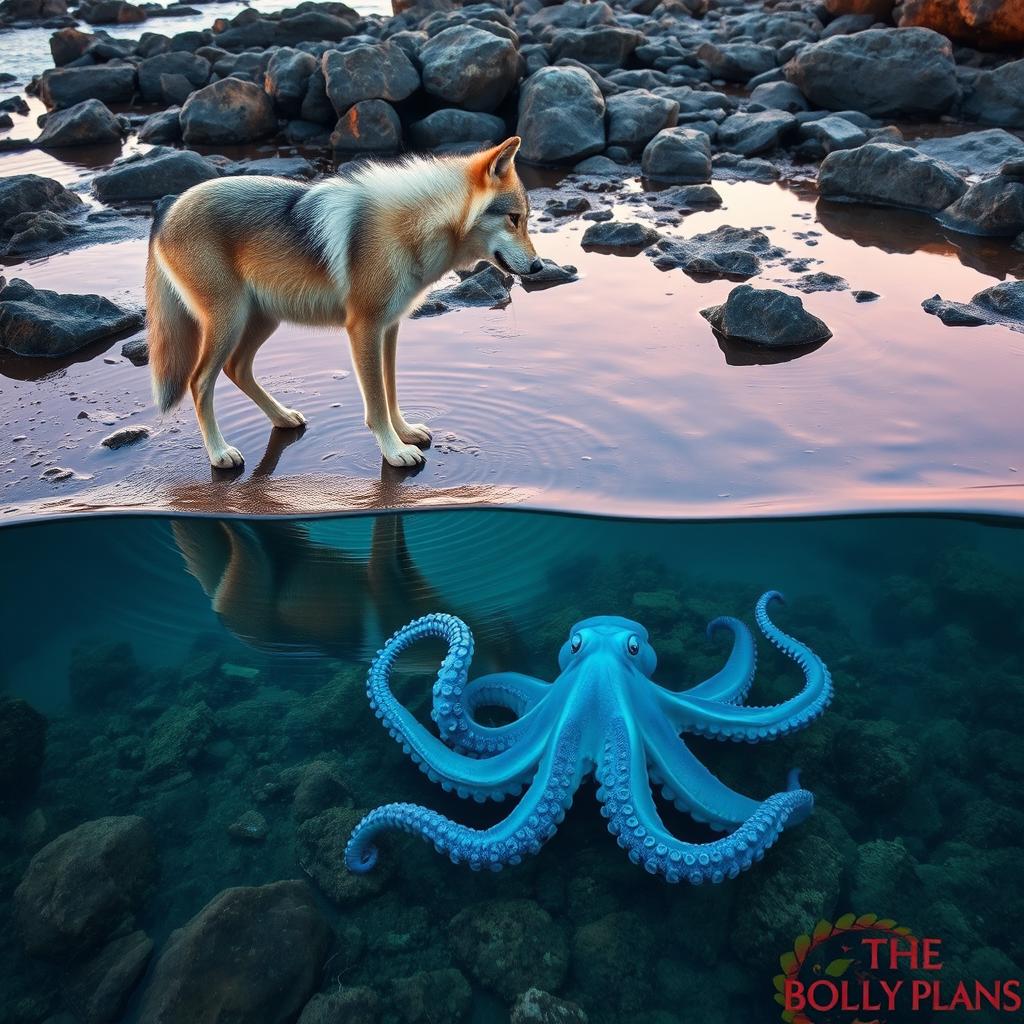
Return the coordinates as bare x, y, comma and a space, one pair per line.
413, 433
367, 339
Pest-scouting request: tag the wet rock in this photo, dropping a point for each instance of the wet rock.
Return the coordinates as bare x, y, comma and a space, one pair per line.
357, 1004
251, 954
68, 44
636, 116
779, 96
470, 67
820, 282
178, 738
687, 197
32, 232
552, 274
85, 886
162, 128
863, 295
601, 47
611, 961
111, 12
126, 436
228, 111
39, 322
382, 72
287, 79
890, 175
195, 69
1002, 304
85, 124
22, 749
997, 96
65, 87
371, 126
834, 132
431, 997
725, 252
152, 175
296, 167
981, 152
982, 24
450, 126
32, 10
883, 72
486, 288
250, 827
679, 155
766, 316
600, 166
22, 194
508, 946
320, 845
736, 62
750, 134
100, 988
617, 234
731, 167
994, 208
136, 351
535, 1006
561, 116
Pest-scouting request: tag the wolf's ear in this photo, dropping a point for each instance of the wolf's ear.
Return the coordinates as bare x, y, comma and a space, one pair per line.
502, 157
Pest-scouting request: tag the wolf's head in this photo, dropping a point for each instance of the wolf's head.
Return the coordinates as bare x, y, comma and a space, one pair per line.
499, 232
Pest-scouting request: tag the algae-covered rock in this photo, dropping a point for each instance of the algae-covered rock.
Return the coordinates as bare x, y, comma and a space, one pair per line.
178, 738
357, 1004
320, 845
431, 997
879, 763
885, 880
536, 1006
612, 961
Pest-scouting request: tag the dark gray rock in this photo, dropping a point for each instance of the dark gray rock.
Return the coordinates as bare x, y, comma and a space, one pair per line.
195, 69
152, 175
750, 134
22, 748
487, 287
251, 954
779, 96
39, 322
287, 79
348, 1004
834, 132
733, 167
679, 155
22, 194
552, 274
296, 167
766, 316
981, 152
100, 988
561, 116
136, 351
226, 112
889, 175
993, 207
883, 72
469, 67
175, 89
636, 116
64, 87
88, 123
736, 62
452, 126
1002, 304
687, 197
615, 234
600, 166
536, 1006
864, 295
162, 128
85, 887
997, 96
601, 47
125, 436
381, 72
178, 738
820, 281
725, 252
371, 126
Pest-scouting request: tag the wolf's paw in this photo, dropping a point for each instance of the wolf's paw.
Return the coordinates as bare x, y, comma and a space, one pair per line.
403, 455
414, 433
226, 458
288, 419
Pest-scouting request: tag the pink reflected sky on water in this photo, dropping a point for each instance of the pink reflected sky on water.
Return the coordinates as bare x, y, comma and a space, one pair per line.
608, 395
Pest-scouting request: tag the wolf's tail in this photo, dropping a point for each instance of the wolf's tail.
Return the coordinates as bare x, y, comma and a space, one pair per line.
173, 336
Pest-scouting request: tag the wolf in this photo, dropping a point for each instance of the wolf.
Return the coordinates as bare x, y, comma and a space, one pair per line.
233, 257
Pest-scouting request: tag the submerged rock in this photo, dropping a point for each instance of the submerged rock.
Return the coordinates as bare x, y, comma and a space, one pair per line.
356, 1004
536, 1006
725, 252
251, 954
100, 988
85, 886
320, 843
39, 322
615, 234
432, 997
1002, 304
561, 116
88, 123
22, 748
126, 436
101, 674
766, 316
178, 738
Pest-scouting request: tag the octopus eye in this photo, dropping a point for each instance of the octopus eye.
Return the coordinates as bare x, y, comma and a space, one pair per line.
633, 645
575, 643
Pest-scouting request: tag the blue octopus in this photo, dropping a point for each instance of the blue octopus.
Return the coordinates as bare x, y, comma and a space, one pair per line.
602, 715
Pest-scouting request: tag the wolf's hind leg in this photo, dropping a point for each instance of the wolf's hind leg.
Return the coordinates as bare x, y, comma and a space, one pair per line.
411, 433
257, 329
367, 338
221, 332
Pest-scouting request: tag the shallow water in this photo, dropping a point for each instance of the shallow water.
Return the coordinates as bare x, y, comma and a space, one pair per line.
115, 628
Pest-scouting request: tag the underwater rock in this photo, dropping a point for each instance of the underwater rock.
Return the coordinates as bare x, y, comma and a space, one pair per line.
1002, 304
126, 436
880, 764
22, 749
615, 234
766, 316
85, 886
886, 880
251, 954
101, 673
177, 739
100, 988
320, 844
431, 997
250, 827
612, 959
724, 252
355, 1004
508, 946
318, 787
536, 1006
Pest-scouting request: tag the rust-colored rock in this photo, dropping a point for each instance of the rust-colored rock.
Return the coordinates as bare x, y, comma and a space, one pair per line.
980, 23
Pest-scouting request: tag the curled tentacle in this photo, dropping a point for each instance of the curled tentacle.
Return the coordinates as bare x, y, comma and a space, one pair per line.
494, 777
513, 691
732, 684
633, 819
723, 721
532, 822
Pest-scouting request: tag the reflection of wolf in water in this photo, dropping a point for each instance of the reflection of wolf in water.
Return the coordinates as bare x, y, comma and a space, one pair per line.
274, 587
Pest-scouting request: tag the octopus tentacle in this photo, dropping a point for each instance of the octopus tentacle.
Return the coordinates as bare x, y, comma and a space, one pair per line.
732, 684
633, 819
532, 822
515, 692
492, 778
723, 721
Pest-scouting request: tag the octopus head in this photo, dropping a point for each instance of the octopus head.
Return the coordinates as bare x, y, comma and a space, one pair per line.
609, 637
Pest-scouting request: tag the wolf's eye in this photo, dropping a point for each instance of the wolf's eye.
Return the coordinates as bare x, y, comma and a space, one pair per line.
575, 642
515, 219
633, 645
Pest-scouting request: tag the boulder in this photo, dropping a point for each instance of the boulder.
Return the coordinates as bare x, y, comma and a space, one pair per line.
64, 87
381, 72
111, 12
561, 116
997, 96
982, 24
678, 155
31, 193
100, 987
766, 316
834, 132
195, 69
102, 675
993, 207
615, 234
178, 738
287, 79
162, 128
469, 67
451, 126
88, 123
85, 887
1002, 304
39, 322
251, 954
68, 44
536, 1006
225, 112
22, 747
601, 47
779, 96
750, 134
882, 72
889, 175
636, 116
146, 176
981, 152
32, 10
725, 252
370, 126
736, 62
